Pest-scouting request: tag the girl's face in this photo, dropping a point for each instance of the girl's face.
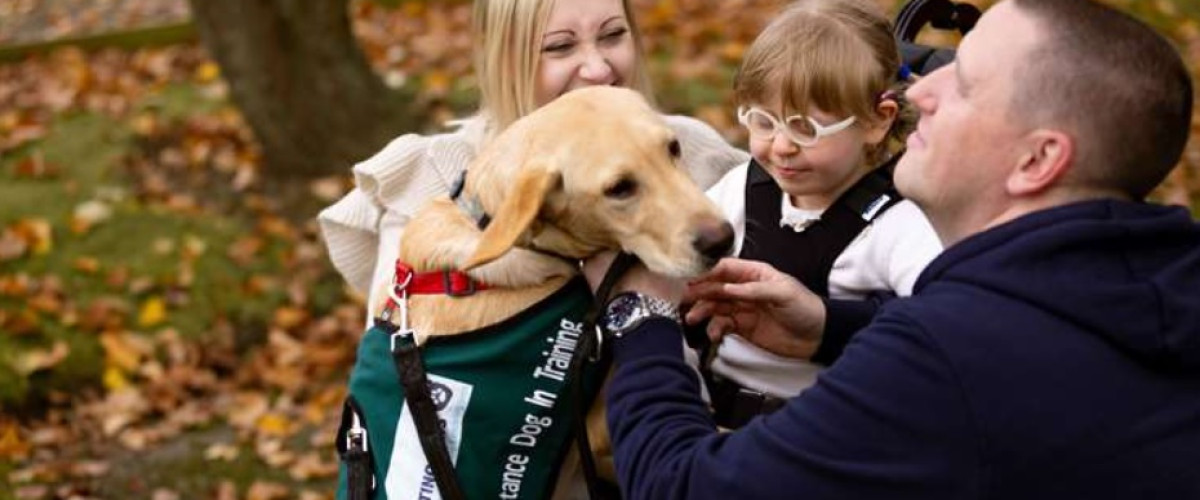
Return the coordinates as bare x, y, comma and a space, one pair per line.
814, 176
587, 42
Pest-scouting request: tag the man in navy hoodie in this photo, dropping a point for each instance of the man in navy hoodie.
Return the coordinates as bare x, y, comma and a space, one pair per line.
1053, 349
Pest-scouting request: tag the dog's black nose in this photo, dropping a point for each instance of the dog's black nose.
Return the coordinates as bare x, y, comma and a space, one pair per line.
714, 239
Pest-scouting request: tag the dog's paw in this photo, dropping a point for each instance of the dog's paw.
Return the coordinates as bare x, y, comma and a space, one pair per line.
520, 267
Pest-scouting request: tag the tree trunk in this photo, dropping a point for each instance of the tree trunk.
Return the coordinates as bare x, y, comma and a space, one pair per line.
302, 82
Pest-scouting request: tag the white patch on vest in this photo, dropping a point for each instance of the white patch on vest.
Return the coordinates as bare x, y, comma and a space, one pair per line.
409, 475
874, 207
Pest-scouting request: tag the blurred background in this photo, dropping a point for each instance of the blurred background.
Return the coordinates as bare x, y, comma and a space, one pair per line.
170, 326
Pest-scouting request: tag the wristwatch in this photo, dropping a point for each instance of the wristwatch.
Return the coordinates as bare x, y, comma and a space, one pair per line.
627, 310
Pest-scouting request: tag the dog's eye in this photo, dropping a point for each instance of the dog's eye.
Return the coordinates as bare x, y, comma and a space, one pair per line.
623, 189
673, 148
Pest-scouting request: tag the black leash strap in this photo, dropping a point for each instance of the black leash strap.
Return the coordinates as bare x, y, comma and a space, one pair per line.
591, 350
411, 370
353, 448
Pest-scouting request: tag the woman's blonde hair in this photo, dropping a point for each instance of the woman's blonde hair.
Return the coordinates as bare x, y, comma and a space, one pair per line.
507, 36
836, 55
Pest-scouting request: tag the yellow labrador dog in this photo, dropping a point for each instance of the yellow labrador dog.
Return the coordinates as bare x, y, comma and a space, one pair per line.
595, 169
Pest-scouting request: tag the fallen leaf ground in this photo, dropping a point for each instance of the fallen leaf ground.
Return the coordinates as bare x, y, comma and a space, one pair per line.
169, 326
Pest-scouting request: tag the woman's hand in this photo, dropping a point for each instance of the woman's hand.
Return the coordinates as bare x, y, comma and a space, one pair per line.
762, 304
637, 278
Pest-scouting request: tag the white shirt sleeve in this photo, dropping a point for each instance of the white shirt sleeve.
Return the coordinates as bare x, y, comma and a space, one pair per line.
887, 255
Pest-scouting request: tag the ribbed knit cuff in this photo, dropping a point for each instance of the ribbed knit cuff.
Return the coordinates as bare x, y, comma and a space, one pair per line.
842, 319
654, 337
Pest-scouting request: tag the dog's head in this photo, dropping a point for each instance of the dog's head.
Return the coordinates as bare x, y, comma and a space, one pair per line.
595, 169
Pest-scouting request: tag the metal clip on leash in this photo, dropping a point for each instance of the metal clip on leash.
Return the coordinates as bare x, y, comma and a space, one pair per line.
410, 369
397, 301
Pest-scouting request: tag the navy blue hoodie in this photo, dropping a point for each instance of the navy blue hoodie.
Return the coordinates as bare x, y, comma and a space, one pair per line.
1054, 356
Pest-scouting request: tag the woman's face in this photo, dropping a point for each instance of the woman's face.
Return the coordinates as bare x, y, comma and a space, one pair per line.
587, 42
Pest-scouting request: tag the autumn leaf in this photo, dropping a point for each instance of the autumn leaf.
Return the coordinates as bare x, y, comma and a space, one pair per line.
34, 360
207, 72
288, 318
88, 214
145, 124
12, 245
152, 313
436, 83
313, 465
114, 379
89, 265
37, 234
34, 166
12, 447
222, 452
124, 351
273, 424
266, 490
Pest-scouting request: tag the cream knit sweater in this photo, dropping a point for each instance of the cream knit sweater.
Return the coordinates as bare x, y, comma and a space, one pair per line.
362, 230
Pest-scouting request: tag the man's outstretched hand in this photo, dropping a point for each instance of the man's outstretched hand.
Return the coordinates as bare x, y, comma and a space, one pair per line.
760, 303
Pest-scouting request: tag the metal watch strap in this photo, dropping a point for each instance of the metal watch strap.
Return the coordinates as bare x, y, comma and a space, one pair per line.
653, 307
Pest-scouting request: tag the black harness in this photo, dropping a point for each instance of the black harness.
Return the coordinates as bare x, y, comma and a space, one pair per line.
807, 255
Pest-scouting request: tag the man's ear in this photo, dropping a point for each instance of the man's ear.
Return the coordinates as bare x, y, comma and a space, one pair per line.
515, 215
885, 113
1048, 157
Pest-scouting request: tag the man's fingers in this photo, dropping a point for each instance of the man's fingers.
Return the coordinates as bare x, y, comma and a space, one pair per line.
718, 326
732, 270
700, 311
706, 290
772, 292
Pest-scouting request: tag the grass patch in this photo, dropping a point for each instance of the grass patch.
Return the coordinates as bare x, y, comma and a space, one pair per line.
131, 39
142, 256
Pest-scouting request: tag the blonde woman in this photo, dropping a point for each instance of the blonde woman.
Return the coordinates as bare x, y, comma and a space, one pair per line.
527, 52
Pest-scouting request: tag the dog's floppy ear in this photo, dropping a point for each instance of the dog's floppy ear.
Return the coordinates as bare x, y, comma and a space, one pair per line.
515, 215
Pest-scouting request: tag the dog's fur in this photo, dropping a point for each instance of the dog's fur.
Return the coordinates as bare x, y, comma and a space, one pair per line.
595, 169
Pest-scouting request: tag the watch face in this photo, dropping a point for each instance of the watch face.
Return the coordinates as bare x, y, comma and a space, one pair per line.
622, 311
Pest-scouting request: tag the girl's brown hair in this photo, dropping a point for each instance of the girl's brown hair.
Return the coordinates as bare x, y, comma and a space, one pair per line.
835, 55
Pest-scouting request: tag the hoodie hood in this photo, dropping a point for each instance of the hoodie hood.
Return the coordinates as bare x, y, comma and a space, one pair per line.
1129, 272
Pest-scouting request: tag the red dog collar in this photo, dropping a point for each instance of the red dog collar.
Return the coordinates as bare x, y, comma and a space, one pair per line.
446, 281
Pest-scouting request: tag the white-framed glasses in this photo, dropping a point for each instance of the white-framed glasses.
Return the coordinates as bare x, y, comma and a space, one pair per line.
802, 130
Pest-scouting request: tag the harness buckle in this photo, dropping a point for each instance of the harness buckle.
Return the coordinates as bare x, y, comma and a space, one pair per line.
448, 285
598, 348
403, 333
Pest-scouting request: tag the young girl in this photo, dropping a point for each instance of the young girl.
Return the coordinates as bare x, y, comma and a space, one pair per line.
818, 93
526, 54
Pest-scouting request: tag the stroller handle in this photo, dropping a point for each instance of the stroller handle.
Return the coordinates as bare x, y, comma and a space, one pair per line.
941, 14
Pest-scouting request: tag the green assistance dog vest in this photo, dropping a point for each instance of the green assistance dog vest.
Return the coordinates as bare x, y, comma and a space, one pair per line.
500, 394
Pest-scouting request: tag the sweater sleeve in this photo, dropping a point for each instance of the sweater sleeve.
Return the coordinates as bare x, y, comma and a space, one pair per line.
842, 319
706, 155
361, 230
887, 421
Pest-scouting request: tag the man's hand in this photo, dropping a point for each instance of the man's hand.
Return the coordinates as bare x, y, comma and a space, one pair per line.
762, 304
